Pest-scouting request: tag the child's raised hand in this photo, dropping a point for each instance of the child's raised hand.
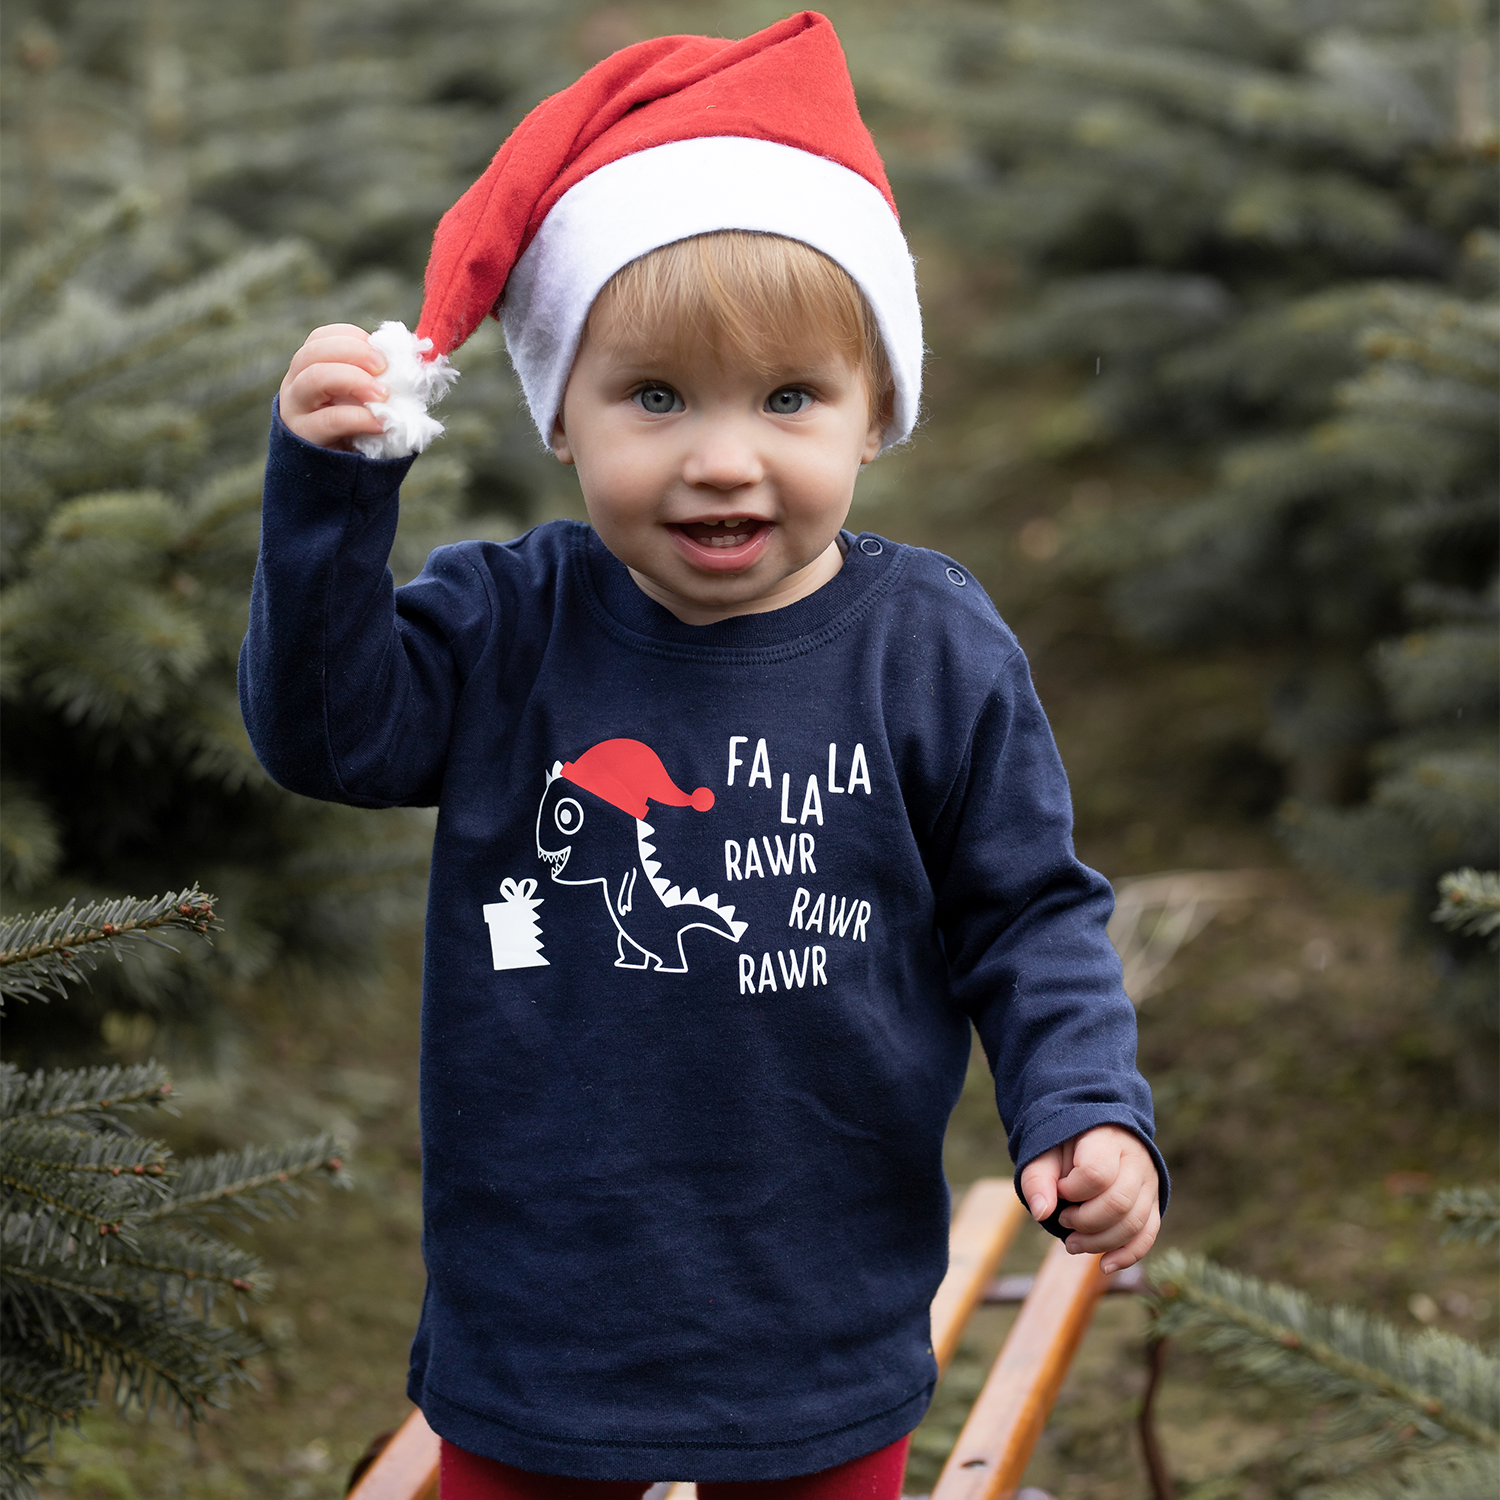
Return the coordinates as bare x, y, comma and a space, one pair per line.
1109, 1178
327, 384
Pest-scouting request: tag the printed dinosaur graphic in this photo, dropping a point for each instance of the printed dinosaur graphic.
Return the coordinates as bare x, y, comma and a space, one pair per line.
591, 829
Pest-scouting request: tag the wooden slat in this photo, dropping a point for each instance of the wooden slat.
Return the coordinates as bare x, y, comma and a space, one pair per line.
407, 1468
995, 1446
983, 1227
981, 1232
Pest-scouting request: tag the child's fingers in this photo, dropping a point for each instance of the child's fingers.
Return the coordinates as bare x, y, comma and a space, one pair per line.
334, 426
330, 354
1039, 1183
1098, 1157
328, 330
1134, 1181
1119, 1229
1116, 1217
1134, 1250
337, 343
328, 385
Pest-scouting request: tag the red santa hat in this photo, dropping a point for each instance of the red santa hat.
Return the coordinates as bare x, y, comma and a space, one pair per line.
671, 138
625, 773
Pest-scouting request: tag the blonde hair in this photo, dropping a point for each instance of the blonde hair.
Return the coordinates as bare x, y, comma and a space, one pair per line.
760, 300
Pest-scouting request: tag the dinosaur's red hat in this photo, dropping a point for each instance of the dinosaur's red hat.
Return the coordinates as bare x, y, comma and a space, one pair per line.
626, 773
668, 139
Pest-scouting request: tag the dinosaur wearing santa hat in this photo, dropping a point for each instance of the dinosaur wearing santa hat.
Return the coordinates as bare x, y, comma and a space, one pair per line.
583, 837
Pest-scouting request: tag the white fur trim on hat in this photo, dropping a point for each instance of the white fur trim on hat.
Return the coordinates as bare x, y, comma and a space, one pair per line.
414, 384
672, 192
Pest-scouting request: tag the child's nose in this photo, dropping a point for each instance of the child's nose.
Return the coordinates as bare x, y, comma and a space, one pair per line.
722, 456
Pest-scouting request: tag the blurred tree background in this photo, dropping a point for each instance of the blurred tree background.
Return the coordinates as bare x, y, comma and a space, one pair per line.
1252, 265
189, 190
1211, 294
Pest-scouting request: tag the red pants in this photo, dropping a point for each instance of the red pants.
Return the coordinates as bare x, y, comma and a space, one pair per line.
876, 1476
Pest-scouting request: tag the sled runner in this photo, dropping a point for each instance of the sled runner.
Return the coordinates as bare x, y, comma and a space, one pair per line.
993, 1449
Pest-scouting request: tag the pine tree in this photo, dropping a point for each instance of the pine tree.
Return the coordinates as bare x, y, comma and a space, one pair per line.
1247, 266
198, 188
1417, 1415
1470, 904
129, 538
1428, 1394
112, 1264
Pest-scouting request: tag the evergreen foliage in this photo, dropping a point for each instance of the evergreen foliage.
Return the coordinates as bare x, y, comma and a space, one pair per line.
41, 952
113, 1262
195, 189
1441, 1386
129, 538
1400, 1392
1253, 244
1471, 1213
1456, 1476
1470, 904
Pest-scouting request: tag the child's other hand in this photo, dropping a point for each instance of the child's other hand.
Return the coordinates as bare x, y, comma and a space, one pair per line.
1109, 1177
327, 384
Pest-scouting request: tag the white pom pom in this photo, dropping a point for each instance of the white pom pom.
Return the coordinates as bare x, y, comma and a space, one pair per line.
414, 383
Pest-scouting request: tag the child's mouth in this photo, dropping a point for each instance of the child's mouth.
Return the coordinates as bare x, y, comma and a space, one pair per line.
732, 533
726, 545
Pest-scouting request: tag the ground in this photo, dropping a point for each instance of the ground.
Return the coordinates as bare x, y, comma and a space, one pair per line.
1310, 1100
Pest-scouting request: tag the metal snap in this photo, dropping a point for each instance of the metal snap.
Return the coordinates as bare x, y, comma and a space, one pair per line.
956, 578
870, 547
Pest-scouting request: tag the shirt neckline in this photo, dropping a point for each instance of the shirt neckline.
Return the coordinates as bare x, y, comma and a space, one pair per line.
871, 565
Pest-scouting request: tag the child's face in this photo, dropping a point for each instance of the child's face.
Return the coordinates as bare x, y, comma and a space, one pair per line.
722, 492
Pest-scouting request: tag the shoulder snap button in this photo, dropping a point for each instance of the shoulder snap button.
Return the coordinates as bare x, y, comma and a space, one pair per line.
956, 578
870, 547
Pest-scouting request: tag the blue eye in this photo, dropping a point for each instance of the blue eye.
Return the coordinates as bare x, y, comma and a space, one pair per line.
658, 400
788, 401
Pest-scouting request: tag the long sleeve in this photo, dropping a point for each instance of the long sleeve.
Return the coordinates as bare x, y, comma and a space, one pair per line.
348, 685
1023, 925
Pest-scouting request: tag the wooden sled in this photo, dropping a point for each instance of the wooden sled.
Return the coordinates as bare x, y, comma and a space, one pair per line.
996, 1443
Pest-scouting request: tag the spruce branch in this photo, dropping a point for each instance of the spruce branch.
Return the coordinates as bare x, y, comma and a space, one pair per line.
1470, 904
183, 1360
1474, 1475
1432, 1384
257, 1180
42, 952
177, 1265
63, 355
167, 1264
18, 1476
43, 268
91, 1094
36, 1392
47, 1146
1470, 1213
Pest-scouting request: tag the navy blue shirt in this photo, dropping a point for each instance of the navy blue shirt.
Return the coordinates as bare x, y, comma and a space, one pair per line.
711, 911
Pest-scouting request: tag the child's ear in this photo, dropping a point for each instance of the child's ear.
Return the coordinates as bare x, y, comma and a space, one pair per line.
880, 419
560, 446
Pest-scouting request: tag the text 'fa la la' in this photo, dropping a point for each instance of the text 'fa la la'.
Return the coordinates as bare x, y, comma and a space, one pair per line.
853, 777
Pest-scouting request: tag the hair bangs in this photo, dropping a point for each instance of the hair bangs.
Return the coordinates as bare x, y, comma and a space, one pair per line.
756, 300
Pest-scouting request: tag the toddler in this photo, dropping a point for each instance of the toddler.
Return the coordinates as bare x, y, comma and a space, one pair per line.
742, 819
